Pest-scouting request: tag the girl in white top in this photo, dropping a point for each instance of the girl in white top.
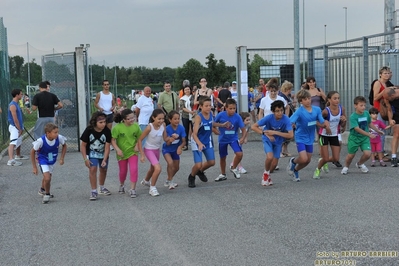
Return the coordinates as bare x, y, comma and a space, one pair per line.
155, 133
266, 102
335, 114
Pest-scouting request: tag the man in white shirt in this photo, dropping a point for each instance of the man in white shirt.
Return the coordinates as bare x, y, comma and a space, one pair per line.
144, 109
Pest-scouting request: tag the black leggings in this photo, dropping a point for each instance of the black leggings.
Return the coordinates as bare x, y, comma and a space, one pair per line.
187, 124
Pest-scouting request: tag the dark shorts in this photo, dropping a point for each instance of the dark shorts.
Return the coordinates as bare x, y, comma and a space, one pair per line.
329, 140
110, 118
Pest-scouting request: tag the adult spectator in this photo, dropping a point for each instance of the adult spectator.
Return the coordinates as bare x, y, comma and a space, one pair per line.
16, 128
105, 102
234, 92
168, 100
186, 105
378, 86
186, 83
263, 85
223, 95
258, 95
285, 92
46, 103
144, 109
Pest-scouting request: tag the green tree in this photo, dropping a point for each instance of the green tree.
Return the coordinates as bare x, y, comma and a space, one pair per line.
16, 62
254, 69
192, 70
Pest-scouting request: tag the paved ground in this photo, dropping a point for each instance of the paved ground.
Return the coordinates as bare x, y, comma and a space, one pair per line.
235, 222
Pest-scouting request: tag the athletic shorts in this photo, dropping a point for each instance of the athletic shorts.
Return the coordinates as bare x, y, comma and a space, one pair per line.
173, 154
353, 146
274, 148
15, 139
47, 168
235, 145
109, 118
152, 156
303, 147
209, 155
328, 140
97, 163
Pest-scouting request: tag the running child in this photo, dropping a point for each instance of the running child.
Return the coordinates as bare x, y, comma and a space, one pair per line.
229, 122
376, 143
334, 113
246, 118
125, 135
173, 147
304, 120
155, 133
276, 129
359, 135
201, 142
95, 147
46, 148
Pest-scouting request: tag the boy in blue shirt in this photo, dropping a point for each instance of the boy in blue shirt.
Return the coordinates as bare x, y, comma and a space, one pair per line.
276, 128
201, 142
305, 119
229, 122
359, 135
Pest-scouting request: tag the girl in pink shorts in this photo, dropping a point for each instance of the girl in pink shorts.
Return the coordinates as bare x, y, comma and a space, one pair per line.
155, 133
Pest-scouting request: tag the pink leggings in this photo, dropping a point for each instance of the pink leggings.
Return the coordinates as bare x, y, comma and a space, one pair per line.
132, 161
152, 156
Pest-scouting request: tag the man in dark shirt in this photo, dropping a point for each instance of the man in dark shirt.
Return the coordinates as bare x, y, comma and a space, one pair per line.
224, 94
46, 103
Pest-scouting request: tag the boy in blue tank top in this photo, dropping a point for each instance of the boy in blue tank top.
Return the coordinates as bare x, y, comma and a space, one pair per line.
229, 122
47, 153
201, 142
305, 119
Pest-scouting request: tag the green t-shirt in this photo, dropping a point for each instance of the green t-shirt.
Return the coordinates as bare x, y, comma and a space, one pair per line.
126, 138
362, 121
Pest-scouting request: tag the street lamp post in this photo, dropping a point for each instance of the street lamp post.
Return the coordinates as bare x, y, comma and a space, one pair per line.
346, 23
325, 34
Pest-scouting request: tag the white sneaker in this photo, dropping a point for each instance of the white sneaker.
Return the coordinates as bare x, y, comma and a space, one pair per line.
21, 157
236, 173
172, 185
221, 177
154, 192
145, 183
46, 199
344, 170
167, 183
13, 163
362, 168
242, 170
132, 193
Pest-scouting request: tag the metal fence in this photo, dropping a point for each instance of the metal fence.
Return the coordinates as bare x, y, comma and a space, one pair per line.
5, 91
348, 67
59, 70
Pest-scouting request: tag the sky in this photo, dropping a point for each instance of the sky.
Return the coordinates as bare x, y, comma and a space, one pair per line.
167, 33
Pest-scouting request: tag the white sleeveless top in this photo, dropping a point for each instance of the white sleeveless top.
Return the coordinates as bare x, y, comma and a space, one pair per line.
334, 122
154, 138
105, 102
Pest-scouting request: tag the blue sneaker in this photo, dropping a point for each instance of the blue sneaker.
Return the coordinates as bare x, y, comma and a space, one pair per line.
291, 166
295, 177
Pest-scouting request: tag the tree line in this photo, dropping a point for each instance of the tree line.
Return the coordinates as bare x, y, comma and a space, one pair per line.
215, 71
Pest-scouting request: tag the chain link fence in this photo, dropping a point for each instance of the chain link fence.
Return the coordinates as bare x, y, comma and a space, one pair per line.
5, 90
348, 67
59, 70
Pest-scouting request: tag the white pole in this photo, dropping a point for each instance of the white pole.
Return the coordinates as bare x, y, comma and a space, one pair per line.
325, 34
303, 40
27, 49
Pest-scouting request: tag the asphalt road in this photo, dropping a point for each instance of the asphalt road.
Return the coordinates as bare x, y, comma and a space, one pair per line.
234, 222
